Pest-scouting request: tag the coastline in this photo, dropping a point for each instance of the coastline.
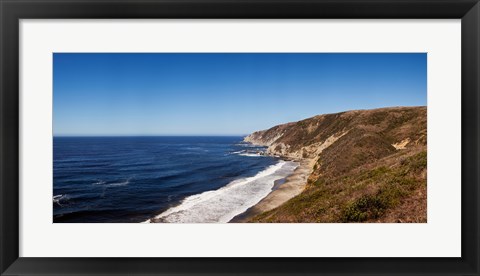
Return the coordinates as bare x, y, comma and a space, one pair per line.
293, 185
285, 186
222, 205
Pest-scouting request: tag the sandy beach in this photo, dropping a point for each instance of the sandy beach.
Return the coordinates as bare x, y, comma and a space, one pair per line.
294, 185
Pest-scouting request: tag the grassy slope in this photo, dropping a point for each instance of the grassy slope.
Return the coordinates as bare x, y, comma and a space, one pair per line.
361, 177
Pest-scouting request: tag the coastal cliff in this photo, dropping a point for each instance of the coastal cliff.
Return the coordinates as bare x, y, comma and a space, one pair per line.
365, 166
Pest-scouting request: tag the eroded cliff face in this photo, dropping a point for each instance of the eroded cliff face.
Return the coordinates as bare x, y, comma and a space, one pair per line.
392, 128
388, 143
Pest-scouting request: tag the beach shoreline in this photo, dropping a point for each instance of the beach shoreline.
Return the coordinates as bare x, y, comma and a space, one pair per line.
268, 179
293, 185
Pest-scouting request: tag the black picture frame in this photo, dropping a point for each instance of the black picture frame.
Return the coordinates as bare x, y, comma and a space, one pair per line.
11, 11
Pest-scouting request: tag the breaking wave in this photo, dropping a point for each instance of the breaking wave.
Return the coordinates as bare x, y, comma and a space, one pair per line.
250, 153
225, 203
60, 199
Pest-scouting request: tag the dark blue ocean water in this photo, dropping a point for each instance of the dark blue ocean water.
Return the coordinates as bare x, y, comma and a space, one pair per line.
133, 179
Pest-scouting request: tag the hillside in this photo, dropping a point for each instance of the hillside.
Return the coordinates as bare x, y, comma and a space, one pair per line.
367, 166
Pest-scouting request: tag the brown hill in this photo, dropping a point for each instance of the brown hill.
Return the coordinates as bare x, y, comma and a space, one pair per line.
368, 166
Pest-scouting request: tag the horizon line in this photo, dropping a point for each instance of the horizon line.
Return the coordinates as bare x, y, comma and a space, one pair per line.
149, 135
229, 135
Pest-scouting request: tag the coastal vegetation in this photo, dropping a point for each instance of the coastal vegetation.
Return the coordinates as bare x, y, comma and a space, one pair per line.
365, 166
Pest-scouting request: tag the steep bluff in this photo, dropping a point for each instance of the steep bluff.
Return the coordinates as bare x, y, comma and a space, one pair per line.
367, 165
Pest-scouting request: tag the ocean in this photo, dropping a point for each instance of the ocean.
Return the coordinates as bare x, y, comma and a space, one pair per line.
161, 179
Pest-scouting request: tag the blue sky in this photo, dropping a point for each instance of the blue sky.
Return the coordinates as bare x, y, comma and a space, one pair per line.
98, 94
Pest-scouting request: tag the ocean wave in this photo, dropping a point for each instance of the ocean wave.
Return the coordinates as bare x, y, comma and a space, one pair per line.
249, 154
123, 183
104, 184
225, 203
60, 199
99, 182
248, 145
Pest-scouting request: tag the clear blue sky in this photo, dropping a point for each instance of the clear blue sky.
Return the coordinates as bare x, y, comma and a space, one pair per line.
223, 94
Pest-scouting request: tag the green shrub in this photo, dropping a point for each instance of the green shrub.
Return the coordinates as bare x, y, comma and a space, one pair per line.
417, 162
366, 207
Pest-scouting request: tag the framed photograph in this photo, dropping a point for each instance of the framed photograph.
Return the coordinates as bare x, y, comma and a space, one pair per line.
239, 137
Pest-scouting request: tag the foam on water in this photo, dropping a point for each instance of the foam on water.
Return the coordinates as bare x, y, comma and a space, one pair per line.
247, 145
115, 184
251, 154
233, 199
59, 199
99, 182
123, 183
